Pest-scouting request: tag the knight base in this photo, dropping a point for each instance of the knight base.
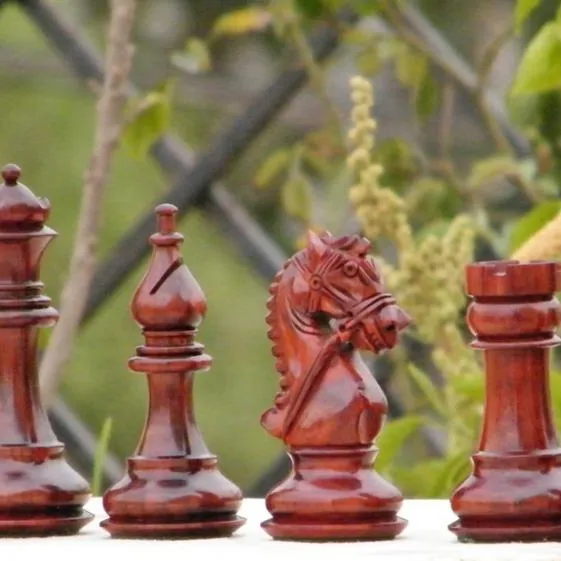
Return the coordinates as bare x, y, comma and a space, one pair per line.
333, 494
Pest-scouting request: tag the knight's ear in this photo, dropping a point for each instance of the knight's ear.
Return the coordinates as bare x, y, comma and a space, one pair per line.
315, 244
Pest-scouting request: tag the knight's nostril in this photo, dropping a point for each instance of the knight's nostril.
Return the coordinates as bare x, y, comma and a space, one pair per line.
403, 319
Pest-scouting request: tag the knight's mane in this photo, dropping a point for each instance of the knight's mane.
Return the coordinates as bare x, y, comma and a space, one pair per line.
272, 320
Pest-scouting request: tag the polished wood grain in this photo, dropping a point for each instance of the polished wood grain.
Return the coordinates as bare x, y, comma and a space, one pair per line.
514, 492
173, 487
327, 304
40, 494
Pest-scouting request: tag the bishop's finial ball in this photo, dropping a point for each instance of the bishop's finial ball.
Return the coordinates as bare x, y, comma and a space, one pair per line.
11, 174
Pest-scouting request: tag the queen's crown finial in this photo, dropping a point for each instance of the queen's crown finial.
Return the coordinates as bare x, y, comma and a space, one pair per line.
19, 208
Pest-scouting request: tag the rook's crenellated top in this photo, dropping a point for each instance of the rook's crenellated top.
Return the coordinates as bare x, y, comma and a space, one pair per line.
512, 278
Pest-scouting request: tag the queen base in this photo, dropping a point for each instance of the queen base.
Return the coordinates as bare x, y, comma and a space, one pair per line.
334, 494
57, 522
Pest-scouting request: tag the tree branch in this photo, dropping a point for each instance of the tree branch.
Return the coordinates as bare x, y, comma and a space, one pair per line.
106, 139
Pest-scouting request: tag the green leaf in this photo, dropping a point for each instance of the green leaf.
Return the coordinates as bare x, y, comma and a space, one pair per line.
426, 97
194, 59
399, 162
242, 21
311, 8
555, 386
415, 479
524, 9
540, 68
367, 7
533, 221
99, 456
151, 117
454, 470
411, 66
297, 197
432, 394
368, 61
470, 387
361, 7
490, 168
272, 167
393, 437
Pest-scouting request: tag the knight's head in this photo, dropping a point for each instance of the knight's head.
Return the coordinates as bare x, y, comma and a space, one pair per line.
340, 284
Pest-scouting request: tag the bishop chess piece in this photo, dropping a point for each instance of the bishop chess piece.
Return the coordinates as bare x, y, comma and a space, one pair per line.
327, 304
40, 494
514, 492
173, 487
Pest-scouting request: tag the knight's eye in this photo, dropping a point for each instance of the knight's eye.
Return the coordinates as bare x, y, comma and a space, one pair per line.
350, 268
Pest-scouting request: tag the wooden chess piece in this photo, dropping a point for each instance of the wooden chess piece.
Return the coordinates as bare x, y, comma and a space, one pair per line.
514, 492
173, 487
40, 494
327, 304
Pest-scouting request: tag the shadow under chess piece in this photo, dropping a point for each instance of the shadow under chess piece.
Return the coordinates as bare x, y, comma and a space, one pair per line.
173, 487
40, 494
514, 493
327, 304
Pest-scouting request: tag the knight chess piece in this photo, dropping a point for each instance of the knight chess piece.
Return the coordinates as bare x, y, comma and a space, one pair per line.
40, 494
327, 304
173, 487
514, 492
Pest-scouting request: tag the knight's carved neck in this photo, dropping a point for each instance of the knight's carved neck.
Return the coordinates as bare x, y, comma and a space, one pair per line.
296, 336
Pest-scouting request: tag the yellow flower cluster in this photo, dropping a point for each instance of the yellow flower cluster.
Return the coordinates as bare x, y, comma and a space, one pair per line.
380, 211
429, 278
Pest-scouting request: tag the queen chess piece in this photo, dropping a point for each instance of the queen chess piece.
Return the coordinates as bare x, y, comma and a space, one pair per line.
40, 494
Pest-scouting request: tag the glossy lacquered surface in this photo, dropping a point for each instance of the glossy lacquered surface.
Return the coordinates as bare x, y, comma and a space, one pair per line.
327, 304
173, 487
514, 492
40, 494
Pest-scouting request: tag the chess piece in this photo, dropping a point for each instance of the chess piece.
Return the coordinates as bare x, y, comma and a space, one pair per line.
173, 487
40, 494
514, 492
327, 304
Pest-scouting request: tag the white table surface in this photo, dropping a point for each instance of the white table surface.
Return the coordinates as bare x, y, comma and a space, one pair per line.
425, 538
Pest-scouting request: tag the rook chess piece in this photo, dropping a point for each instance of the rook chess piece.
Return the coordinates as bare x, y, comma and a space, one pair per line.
327, 304
514, 492
173, 487
40, 494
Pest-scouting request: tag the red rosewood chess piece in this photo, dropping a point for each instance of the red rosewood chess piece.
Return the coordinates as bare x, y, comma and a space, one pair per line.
328, 302
40, 494
173, 487
514, 493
